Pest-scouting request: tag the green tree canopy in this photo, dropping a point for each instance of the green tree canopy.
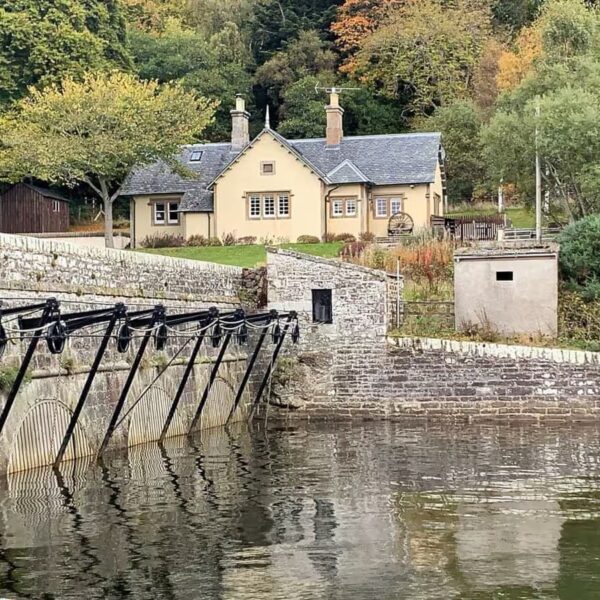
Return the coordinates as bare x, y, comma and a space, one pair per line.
565, 85
96, 131
460, 124
42, 41
426, 53
213, 67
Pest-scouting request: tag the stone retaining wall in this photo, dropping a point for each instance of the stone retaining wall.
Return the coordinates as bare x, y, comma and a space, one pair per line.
32, 270
352, 369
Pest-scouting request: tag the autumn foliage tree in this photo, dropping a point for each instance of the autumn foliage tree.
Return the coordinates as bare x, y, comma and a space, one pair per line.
425, 53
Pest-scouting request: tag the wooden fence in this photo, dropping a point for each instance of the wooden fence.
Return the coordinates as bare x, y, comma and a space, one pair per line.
475, 228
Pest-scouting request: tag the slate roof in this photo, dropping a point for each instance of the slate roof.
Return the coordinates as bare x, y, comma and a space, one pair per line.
398, 159
158, 178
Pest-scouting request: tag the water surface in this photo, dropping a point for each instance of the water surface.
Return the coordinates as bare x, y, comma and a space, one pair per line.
329, 511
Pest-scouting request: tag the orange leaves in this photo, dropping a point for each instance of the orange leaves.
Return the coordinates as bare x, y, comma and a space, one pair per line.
515, 65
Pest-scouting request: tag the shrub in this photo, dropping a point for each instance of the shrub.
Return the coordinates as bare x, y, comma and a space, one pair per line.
344, 237
367, 236
229, 239
197, 240
248, 240
328, 238
163, 240
579, 320
352, 249
308, 239
424, 261
214, 241
580, 256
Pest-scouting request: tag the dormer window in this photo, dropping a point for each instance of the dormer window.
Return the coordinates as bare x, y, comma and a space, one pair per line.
196, 155
267, 168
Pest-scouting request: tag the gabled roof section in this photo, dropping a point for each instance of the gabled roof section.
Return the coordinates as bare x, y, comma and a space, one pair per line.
397, 159
346, 172
285, 143
43, 191
159, 178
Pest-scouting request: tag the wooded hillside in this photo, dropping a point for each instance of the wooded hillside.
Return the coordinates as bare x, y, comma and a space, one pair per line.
475, 69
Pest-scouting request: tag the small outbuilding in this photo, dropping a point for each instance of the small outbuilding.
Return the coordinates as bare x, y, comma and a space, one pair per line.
511, 289
26, 208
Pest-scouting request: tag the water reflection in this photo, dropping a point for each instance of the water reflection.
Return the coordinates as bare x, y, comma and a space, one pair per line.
315, 511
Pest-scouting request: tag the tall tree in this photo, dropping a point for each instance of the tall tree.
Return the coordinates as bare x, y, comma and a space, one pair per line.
425, 55
308, 55
565, 84
42, 41
96, 131
460, 124
275, 23
215, 67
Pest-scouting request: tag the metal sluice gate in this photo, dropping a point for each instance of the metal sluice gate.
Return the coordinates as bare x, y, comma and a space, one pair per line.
46, 322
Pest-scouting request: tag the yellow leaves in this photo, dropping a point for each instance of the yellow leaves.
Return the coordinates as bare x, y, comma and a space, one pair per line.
514, 65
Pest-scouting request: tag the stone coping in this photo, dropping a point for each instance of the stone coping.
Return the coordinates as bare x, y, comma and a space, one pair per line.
330, 262
34, 244
557, 355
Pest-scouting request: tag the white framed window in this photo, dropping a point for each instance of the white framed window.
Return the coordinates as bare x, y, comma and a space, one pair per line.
56, 205
254, 207
269, 207
337, 208
395, 205
160, 213
381, 207
351, 207
173, 213
283, 209
196, 155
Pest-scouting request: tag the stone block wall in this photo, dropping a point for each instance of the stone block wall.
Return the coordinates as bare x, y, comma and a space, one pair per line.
32, 270
352, 369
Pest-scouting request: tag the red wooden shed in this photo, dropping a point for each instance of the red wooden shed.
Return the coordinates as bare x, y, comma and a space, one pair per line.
26, 208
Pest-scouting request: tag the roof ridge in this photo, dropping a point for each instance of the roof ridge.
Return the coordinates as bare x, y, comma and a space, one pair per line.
372, 137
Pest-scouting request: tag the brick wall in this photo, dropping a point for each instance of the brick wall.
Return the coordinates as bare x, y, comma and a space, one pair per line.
352, 369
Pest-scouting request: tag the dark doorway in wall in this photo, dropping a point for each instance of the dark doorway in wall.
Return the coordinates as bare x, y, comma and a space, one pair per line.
322, 306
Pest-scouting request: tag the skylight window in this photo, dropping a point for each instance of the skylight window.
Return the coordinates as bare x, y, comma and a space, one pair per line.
196, 155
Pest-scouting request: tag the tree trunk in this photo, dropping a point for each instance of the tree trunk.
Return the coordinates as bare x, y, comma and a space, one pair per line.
108, 223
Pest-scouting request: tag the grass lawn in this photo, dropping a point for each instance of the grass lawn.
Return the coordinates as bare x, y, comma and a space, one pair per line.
243, 256
520, 216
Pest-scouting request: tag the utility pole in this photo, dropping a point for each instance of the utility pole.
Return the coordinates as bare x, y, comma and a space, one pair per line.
538, 177
501, 197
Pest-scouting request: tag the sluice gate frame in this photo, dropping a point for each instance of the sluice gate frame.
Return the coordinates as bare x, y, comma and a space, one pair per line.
122, 325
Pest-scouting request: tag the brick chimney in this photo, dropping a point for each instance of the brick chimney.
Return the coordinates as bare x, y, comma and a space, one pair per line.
335, 120
240, 119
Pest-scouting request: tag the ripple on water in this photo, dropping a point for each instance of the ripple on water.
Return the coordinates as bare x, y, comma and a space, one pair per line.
380, 511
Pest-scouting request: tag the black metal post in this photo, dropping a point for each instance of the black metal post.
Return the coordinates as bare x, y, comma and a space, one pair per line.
50, 308
211, 380
186, 375
158, 314
271, 366
118, 313
248, 373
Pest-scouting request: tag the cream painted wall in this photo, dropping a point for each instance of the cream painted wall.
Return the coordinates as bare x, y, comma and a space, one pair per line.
244, 177
197, 224
438, 188
354, 225
142, 221
416, 205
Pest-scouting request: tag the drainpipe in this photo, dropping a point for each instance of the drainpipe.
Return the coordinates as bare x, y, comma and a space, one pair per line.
327, 198
208, 225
